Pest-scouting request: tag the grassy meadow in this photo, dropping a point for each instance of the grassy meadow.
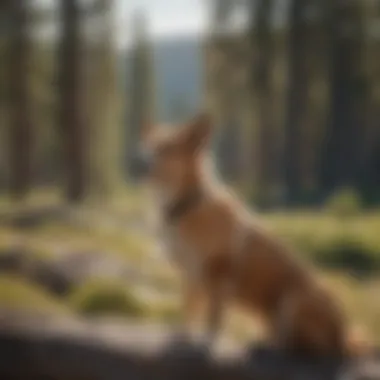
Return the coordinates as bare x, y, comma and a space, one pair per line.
130, 276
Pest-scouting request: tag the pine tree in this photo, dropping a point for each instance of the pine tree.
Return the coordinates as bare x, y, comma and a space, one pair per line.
222, 10
141, 88
21, 126
223, 97
348, 94
266, 137
297, 96
103, 103
307, 97
4, 85
72, 106
370, 165
369, 143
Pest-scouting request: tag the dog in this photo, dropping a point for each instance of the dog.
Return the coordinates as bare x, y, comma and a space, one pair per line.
225, 255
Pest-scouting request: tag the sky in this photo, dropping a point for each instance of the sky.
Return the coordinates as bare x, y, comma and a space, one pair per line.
164, 17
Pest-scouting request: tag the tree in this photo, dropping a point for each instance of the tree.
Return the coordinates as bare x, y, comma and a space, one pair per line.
72, 108
266, 138
307, 98
142, 88
103, 102
348, 96
369, 155
297, 96
225, 63
222, 10
4, 99
21, 125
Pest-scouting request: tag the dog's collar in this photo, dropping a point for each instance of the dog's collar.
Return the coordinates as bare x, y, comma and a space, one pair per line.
183, 205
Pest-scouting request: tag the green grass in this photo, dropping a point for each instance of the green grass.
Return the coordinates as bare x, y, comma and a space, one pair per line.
121, 243
339, 242
100, 297
17, 294
351, 243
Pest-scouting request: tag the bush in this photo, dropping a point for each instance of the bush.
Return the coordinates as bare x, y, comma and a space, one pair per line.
344, 203
352, 246
349, 255
105, 297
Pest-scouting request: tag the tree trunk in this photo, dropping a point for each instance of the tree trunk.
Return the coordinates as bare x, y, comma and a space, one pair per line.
103, 104
227, 92
298, 83
142, 91
370, 148
340, 165
21, 126
267, 137
72, 109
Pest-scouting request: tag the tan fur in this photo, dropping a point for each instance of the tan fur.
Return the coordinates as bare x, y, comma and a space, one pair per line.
225, 254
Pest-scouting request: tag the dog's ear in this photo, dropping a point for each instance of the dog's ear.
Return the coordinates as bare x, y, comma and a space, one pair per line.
198, 132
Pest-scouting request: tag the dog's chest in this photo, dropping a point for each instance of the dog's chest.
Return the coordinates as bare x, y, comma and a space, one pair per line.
181, 251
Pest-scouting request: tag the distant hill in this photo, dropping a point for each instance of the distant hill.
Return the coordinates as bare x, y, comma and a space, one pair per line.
178, 71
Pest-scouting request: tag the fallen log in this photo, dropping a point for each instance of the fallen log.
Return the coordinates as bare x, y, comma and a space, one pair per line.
37, 348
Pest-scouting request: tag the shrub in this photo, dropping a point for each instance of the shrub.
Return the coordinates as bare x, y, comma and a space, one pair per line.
344, 203
352, 246
348, 254
106, 297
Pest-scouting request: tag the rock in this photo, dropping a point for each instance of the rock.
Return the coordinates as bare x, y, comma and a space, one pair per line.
32, 349
14, 260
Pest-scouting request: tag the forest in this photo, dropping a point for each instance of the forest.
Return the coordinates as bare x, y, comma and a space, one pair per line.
303, 125
294, 89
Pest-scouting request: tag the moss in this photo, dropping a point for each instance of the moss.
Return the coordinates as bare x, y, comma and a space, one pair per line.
99, 297
344, 203
16, 293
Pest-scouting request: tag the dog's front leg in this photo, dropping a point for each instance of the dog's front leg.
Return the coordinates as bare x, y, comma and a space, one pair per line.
216, 295
191, 304
218, 284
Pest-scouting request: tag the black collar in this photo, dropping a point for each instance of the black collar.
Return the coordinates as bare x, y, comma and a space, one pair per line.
183, 205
